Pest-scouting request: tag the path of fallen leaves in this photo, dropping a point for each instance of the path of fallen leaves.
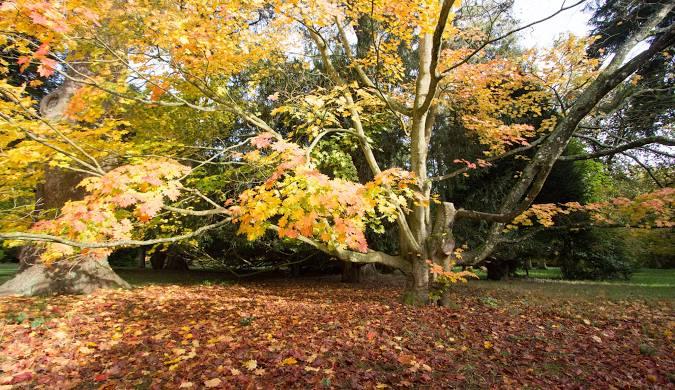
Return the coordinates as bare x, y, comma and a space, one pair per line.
314, 334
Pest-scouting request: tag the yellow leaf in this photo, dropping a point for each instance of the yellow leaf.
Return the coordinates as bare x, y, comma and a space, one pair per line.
289, 361
173, 361
487, 344
251, 364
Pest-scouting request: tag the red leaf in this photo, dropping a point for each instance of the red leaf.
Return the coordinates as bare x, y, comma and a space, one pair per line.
101, 377
24, 61
262, 141
39, 18
42, 50
47, 66
23, 377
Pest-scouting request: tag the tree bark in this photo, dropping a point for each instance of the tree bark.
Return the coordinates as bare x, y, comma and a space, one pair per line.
417, 284
175, 261
170, 259
82, 276
351, 272
140, 257
157, 260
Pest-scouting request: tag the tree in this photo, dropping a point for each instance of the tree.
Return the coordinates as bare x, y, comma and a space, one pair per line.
212, 58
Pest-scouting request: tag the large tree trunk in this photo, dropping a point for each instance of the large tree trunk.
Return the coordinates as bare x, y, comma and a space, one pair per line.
417, 284
80, 276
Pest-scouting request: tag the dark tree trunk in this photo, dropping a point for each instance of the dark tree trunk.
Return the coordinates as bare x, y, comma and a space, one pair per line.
499, 269
176, 261
171, 259
157, 259
140, 257
295, 270
79, 275
528, 266
351, 272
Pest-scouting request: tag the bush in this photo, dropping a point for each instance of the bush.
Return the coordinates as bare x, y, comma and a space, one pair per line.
124, 257
654, 248
595, 255
9, 254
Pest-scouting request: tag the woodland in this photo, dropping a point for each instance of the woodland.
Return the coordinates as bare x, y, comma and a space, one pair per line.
335, 194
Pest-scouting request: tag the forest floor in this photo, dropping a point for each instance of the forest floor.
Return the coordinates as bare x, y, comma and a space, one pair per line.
319, 333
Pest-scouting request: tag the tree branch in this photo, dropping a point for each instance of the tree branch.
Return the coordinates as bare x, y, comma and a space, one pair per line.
491, 159
506, 35
356, 257
110, 244
621, 148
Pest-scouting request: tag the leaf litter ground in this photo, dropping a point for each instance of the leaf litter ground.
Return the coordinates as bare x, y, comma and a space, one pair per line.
323, 334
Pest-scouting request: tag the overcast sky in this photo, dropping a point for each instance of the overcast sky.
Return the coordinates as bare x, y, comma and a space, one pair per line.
543, 34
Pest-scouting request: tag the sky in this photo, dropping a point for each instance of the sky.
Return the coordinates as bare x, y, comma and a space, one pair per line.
543, 34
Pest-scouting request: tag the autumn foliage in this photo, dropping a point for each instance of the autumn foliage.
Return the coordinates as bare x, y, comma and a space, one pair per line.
145, 84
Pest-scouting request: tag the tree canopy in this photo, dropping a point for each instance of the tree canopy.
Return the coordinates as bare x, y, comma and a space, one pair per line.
321, 121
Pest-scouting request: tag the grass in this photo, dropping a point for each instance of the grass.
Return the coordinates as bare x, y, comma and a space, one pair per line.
7, 270
644, 284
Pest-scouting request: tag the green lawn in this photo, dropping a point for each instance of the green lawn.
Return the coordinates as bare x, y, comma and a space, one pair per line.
646, 283
7, 270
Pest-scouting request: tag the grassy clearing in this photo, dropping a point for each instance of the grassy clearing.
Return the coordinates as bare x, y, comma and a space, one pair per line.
7, 270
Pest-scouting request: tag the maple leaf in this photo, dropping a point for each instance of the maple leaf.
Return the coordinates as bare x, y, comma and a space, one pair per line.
156, 92
250, 364
211, 383
289, 361
42, 50
262, 141
38, 18
24, 61
46, 67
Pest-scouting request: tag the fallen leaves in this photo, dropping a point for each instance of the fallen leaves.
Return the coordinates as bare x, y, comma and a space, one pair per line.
313, 335
251, 365
291, 361
211, 383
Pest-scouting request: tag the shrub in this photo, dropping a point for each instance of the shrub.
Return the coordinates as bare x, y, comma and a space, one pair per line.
596, 255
